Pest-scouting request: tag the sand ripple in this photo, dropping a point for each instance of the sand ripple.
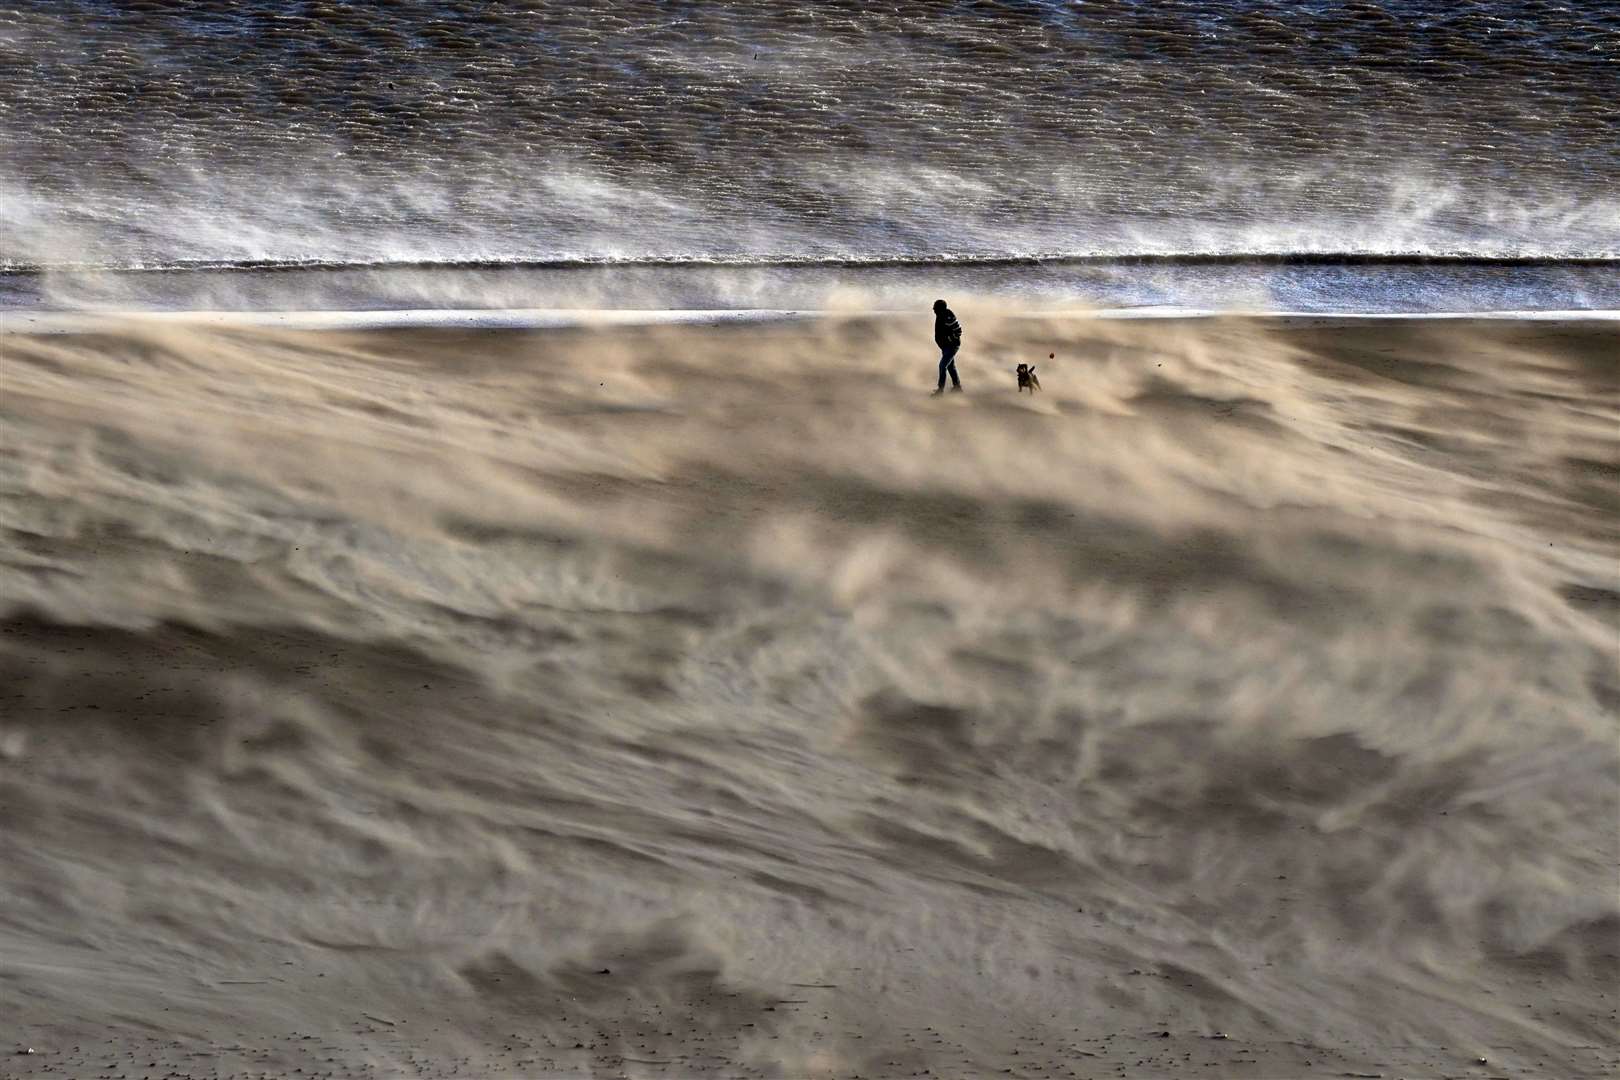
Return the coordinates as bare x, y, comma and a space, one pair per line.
671, 699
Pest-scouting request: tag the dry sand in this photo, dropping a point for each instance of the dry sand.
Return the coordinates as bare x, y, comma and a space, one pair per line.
711, 701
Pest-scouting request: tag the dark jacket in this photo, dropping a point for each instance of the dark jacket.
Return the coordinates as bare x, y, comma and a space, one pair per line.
947, 331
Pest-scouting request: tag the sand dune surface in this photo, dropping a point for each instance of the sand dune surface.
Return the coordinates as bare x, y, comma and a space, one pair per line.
690, 700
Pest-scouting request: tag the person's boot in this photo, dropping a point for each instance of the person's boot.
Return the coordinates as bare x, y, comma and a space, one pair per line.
938, 392
957, 389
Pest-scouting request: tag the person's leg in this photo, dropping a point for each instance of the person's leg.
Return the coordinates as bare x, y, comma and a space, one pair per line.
945, 365
950, 365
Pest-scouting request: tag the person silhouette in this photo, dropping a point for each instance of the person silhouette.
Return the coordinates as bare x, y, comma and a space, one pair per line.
948, 336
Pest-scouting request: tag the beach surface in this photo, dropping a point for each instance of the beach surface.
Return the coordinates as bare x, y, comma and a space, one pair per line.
677, 700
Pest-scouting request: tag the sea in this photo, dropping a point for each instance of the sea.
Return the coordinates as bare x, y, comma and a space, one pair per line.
1314, 156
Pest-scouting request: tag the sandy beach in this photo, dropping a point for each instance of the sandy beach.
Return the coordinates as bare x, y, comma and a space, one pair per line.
666, 701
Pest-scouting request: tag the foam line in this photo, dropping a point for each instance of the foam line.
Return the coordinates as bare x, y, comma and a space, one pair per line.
875, 261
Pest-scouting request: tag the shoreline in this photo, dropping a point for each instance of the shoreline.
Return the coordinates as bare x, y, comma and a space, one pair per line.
72, 322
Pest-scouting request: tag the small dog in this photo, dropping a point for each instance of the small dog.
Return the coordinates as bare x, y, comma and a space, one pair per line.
1027, 379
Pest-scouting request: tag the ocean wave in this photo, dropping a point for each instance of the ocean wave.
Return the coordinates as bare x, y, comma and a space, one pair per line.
528, 130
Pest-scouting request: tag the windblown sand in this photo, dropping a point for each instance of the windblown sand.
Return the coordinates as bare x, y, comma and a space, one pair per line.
689, 701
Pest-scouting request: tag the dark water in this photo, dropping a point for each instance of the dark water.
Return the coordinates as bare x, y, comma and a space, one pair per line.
142, 133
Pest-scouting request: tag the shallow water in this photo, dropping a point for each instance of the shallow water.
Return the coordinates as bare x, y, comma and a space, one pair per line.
1244, 285
1250, 680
